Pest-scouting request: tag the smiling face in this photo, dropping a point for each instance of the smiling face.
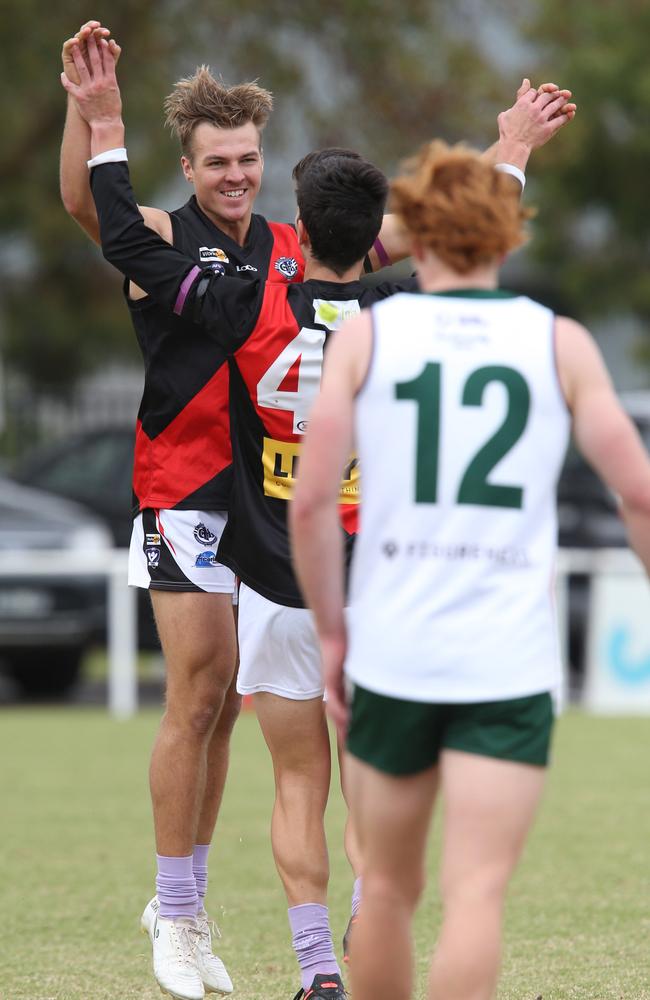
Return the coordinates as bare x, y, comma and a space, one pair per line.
226, 170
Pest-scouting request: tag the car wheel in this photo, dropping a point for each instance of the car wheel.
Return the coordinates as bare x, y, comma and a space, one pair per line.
51, 673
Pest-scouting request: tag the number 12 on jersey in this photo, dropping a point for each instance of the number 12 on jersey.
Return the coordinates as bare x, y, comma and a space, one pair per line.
474, 488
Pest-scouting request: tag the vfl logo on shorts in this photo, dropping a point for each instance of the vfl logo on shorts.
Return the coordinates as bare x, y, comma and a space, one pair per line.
287, 266
203, 535
205, 559
153, 557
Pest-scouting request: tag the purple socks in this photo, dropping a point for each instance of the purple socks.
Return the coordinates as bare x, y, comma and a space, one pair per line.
200, 869
176, 888
312, 941
181, 883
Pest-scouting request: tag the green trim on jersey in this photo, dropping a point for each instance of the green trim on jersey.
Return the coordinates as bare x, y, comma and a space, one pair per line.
405, 737
477, 293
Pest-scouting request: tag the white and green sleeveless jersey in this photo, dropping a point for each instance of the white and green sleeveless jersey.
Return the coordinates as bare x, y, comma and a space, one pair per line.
461, 428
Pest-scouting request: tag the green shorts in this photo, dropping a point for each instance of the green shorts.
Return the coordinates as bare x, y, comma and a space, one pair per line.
404, 737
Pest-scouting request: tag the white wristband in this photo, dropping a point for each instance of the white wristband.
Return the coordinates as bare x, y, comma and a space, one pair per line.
109, 156
509, 168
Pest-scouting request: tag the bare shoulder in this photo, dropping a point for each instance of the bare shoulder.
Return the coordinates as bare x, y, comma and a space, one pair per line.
571, 336
158, 220
579, 360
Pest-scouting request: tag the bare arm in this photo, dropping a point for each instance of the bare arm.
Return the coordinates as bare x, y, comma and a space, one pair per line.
316, 536
76, 147
534, 118
73, 173
603, 432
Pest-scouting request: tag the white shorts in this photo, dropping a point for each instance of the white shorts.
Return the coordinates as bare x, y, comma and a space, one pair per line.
177, 550
278, 649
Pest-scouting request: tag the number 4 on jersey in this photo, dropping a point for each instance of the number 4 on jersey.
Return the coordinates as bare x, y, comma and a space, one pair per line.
292, 381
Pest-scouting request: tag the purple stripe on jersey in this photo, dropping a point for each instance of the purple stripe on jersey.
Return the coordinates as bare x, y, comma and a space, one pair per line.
384, 259
188, 281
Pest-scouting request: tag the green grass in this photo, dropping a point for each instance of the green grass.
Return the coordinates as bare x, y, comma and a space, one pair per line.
76, 866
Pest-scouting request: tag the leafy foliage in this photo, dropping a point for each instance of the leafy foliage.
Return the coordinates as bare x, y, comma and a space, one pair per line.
593, 239
340, 79
354, 73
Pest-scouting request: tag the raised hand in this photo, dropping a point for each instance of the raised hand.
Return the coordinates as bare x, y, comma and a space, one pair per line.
94, 28
97, 93
537, 114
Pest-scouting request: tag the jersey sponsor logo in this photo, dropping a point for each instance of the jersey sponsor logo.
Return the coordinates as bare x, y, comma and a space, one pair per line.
287, 266
333, 314
246, 267
203, 535
153, 556
503, 556
205, 559
280, 464
152, 539
206, 254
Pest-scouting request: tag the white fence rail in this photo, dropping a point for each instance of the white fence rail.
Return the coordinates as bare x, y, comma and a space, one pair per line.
121, 614
617, 675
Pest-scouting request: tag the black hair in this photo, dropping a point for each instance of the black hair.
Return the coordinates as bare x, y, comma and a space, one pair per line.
341, 200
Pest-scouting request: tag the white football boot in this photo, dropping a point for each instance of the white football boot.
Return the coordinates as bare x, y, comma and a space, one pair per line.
211, 968
174, 944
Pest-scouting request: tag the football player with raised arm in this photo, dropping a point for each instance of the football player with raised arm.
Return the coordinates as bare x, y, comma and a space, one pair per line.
459, 401
303, 777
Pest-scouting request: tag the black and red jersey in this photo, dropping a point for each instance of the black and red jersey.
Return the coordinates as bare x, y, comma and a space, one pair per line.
274, 336
182, 454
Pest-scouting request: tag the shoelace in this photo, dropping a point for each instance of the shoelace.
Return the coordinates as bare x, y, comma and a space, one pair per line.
186, 940
206, 929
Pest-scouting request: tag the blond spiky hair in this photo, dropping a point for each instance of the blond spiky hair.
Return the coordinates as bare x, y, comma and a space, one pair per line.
202, 98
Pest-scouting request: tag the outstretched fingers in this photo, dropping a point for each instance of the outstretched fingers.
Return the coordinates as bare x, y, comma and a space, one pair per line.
95, 55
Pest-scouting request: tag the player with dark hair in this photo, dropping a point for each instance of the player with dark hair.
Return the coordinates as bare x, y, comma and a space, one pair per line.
459, 401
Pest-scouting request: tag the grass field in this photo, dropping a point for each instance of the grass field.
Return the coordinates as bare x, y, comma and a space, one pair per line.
76, 866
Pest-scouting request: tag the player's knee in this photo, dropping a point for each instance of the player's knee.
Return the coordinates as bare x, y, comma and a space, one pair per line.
392, 892
202, 717
230, 711
476, 887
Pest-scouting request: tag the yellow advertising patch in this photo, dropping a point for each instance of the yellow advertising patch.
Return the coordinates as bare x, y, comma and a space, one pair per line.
280, 463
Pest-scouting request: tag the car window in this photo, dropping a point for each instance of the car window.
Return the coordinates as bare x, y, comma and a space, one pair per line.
90, 469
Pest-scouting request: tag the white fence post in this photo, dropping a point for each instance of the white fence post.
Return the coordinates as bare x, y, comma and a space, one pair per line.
122, 641
121, 614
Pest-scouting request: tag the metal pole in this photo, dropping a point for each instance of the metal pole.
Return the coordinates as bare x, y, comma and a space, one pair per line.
122, 641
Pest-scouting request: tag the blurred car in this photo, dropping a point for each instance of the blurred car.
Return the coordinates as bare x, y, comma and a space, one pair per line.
94, 468
47, 622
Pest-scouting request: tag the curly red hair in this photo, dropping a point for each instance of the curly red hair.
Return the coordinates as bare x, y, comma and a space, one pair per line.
460, 207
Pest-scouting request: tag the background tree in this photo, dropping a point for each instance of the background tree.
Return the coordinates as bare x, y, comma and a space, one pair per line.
343, 79
593, 234
359, 72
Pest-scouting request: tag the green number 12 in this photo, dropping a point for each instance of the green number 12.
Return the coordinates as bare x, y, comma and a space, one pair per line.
474, 487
